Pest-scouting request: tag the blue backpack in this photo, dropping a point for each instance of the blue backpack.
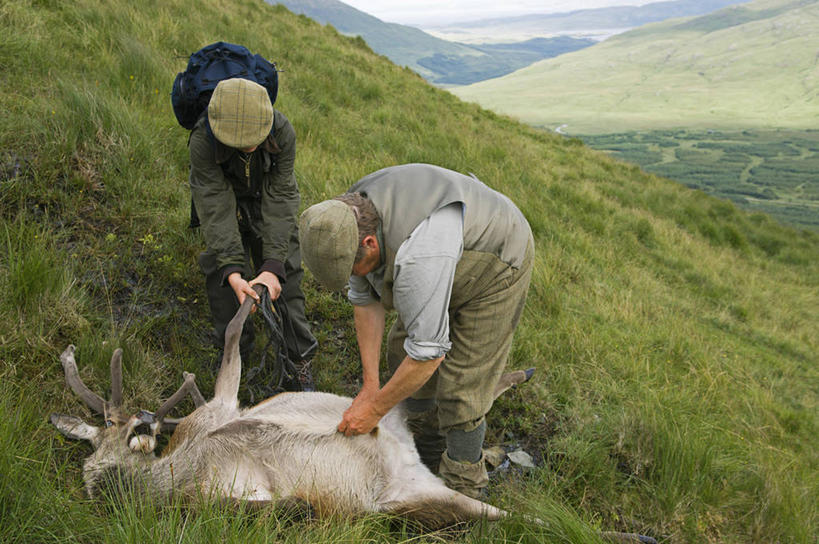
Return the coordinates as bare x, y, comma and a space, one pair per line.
193, 88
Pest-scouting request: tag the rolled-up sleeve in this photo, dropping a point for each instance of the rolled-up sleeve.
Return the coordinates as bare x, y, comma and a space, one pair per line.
360, 292
424, 273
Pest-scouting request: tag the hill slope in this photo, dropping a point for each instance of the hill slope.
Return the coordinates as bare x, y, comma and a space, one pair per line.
675, 337
439, 61
745, 66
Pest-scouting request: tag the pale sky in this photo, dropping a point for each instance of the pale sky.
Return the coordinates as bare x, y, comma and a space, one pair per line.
444, 11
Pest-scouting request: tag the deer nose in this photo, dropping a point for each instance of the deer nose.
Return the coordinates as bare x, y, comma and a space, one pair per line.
142, 443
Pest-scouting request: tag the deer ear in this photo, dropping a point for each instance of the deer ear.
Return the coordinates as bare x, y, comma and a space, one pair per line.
74, 428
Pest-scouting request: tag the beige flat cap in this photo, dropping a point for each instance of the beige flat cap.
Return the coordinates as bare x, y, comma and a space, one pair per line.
328, 234
240, 113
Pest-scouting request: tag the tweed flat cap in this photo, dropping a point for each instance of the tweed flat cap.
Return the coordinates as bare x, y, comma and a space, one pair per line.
328, 234
240, 113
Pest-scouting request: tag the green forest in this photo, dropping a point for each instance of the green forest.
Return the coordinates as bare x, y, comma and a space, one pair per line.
773, 172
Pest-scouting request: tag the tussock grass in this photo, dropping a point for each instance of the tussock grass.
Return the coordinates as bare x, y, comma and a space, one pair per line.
674, 336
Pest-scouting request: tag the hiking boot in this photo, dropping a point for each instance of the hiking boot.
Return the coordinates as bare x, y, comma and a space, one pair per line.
304, 376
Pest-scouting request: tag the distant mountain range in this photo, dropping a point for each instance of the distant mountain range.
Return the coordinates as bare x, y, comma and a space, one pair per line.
445, 62
592, 22
749, 66
439, 61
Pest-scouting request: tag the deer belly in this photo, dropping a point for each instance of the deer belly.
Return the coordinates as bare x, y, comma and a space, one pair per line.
243, 481
331, 480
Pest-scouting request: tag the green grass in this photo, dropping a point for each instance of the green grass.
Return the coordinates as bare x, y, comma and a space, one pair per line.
674, 335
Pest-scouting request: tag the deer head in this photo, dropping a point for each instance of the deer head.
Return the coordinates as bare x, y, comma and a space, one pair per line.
116, 444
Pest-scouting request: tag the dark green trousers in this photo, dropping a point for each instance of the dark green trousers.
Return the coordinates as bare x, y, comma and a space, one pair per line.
224, 304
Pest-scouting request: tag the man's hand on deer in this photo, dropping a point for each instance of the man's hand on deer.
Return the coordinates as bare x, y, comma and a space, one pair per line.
360, 418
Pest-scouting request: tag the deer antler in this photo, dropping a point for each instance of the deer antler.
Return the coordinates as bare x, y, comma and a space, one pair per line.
72, 378
196, 395
188, 386
116, 379
157, 421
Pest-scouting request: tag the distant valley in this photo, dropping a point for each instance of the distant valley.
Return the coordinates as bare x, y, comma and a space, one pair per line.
438, 61
749, 66
770, 171
496, 47
597, 24
724, 102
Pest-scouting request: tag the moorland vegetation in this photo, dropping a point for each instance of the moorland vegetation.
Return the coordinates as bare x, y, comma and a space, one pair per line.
768, 171
675, 336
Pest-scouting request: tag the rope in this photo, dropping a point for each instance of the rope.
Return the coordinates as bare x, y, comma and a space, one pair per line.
283, 371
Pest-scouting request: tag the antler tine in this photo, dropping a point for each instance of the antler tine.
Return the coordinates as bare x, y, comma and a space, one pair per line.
72, 378
116, 379
196, 395
170, 423
174, 399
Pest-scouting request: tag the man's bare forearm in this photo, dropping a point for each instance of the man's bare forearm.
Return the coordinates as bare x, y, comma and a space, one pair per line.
407, 379
369, 329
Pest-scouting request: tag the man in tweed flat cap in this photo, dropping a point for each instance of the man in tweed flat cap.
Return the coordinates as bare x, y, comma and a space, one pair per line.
242, 156
454, 259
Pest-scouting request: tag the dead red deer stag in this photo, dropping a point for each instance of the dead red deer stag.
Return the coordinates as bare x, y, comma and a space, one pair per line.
285, 449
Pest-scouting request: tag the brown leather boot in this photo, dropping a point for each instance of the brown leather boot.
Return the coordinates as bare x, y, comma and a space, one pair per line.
304, 376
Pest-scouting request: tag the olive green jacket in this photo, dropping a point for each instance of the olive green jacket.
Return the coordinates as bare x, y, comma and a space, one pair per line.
236, 193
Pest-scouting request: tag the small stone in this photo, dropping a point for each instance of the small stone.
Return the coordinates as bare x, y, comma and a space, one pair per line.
520, 457
494, 456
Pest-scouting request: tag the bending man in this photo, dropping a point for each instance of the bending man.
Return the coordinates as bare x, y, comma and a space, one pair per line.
454, 259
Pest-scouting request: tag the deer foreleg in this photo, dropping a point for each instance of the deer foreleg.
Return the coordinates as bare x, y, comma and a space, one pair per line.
226, 388
512, 379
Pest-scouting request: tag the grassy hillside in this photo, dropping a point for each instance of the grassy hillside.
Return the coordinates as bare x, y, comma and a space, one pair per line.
675, 337
749, 66
439, 61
